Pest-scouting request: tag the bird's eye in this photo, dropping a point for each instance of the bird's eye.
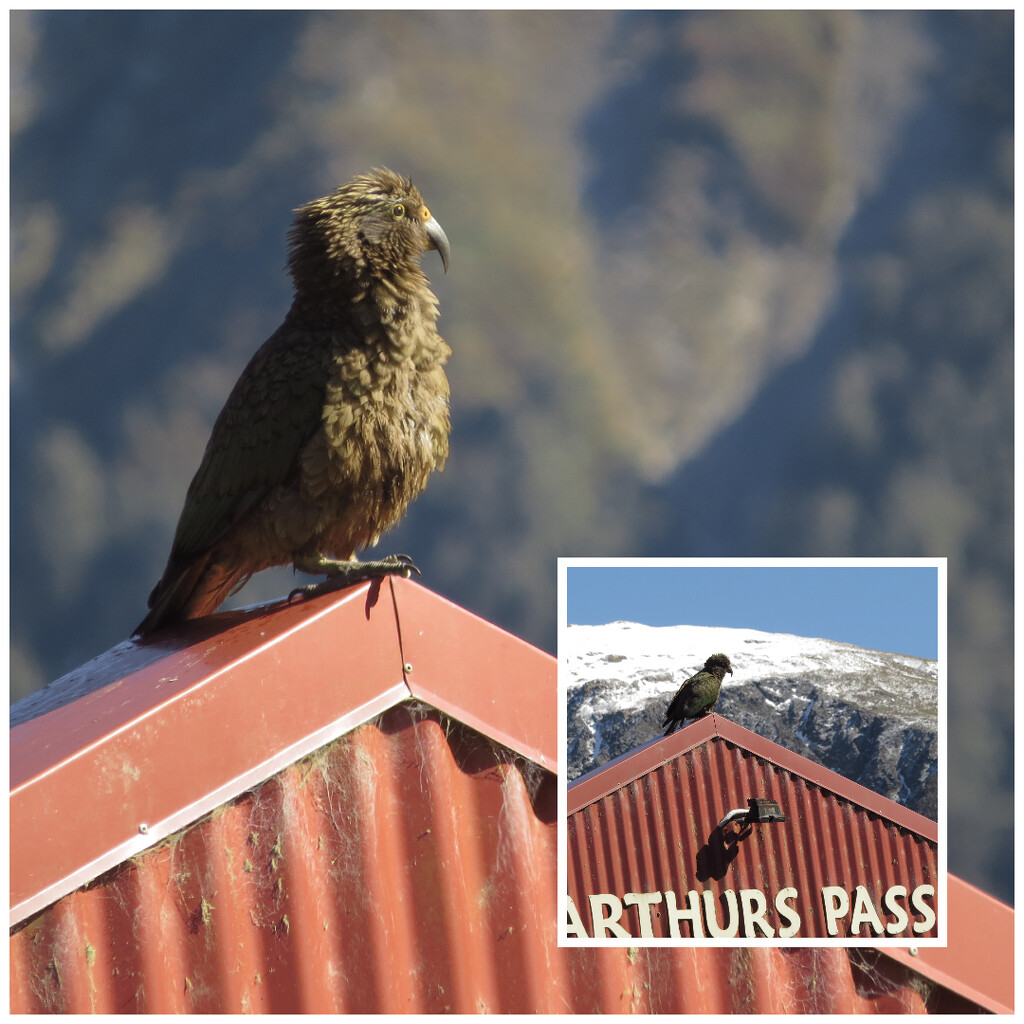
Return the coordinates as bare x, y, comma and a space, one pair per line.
398, 211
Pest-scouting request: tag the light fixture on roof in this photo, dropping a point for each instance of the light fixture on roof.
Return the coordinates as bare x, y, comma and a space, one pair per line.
759, 811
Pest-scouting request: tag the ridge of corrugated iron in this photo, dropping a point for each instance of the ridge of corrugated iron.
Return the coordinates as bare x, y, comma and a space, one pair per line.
218, 689
648, 835
978, 960
359, 879
408, 866
638, 762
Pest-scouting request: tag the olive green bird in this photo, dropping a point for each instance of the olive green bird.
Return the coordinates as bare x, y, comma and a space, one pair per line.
698, 696
338, 419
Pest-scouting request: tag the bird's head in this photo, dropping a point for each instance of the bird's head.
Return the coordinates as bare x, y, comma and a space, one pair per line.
377, 223
720, 662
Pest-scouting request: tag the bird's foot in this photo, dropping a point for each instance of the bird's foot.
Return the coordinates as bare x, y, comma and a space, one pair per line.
348, 573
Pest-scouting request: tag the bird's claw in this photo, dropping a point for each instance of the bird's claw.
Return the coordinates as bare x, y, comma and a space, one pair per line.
359, 572
406, 566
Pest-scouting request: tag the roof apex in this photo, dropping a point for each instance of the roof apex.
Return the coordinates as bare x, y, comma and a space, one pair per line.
635, 763
162, 730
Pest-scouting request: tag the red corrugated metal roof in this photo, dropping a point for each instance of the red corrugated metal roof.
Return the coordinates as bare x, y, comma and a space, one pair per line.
325, 834
648, 824
978, 961
745, 979
636, 763
641, 824
366, 877
177, 726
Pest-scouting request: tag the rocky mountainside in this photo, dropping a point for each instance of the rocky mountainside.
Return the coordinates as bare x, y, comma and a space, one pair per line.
868, 715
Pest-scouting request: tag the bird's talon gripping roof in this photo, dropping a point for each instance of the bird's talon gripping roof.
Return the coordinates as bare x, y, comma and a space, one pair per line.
339, 418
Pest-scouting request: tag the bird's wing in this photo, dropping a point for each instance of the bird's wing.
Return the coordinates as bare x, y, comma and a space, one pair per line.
678, 705
273, 409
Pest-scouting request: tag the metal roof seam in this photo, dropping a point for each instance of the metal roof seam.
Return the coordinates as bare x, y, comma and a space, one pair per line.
409, 864
158, 831
640, 761
459, 685
827, 840
231, 666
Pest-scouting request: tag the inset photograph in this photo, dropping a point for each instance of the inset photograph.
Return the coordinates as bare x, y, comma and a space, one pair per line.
754, 751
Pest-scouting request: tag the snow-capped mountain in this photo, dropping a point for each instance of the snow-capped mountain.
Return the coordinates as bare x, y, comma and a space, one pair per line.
868, 715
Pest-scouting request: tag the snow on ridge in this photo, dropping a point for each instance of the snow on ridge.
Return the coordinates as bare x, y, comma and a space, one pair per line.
619, 642
686, 648
641, 661
813, 695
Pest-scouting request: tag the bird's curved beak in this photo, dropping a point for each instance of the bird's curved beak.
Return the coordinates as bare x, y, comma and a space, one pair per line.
438, 240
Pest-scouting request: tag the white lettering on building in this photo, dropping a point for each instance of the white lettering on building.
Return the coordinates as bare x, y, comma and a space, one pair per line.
752, 913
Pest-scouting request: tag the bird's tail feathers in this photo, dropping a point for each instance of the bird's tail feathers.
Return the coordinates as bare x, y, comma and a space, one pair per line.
189, 592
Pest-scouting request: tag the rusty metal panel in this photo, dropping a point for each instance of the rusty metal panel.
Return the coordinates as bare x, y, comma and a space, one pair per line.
403, 862
405, 867
101, 778
655, 833
478, 673
243, 694
367, 877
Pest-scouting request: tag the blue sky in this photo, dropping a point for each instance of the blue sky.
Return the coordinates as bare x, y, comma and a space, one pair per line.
881, 607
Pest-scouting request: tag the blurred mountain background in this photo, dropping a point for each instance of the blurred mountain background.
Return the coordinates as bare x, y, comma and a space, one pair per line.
726, 283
